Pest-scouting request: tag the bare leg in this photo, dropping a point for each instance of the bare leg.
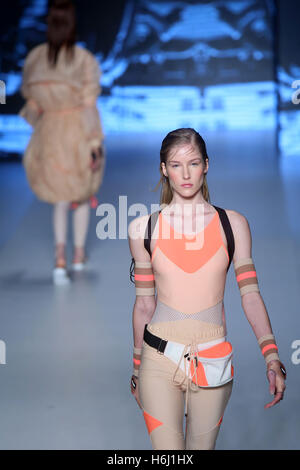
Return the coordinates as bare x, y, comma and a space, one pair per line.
60, 226
81, 217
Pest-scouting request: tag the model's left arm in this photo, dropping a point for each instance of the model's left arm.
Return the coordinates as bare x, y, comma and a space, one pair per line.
253, 304
90, 90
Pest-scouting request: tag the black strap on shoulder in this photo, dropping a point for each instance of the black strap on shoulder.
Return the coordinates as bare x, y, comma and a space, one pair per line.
149, 230
228, 232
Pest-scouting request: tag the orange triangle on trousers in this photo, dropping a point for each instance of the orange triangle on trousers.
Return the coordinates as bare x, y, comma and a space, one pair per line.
151, 423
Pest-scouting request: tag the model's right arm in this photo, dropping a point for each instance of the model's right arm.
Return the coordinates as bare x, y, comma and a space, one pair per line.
31, 110
145, 302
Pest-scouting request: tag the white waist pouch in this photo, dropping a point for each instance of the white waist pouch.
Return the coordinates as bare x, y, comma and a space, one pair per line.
210, 367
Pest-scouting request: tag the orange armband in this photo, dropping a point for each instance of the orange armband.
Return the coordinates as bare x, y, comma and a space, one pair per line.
246, 276
144, 278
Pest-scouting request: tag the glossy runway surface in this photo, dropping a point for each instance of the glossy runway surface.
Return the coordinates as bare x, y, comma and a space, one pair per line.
65, 384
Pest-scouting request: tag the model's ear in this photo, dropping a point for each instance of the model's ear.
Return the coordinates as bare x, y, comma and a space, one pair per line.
163, 167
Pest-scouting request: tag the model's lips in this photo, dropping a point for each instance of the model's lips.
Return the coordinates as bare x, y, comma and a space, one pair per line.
187, 185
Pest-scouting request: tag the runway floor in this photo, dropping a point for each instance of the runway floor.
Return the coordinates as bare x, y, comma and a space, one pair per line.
65, 384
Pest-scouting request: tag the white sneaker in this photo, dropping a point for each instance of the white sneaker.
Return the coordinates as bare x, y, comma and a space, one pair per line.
60, 276
78, 266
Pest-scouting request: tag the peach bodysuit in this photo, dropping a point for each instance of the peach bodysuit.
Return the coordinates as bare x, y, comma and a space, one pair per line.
190, 276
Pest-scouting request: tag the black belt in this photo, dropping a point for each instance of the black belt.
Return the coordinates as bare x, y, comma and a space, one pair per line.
155, 341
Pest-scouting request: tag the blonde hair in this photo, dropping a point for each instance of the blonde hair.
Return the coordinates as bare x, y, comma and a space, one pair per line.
177, 137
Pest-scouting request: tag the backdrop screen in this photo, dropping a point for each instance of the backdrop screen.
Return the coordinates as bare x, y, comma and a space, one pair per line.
165, 64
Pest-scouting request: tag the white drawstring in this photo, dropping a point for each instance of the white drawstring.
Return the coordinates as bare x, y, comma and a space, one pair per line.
192, 355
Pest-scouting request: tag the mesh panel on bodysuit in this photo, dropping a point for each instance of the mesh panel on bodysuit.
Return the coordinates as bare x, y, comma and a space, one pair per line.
164, 313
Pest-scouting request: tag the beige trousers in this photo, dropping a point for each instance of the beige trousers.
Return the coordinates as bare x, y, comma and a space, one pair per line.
163, 405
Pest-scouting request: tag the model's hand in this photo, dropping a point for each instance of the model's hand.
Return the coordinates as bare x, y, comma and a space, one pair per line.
135, 391
276, 375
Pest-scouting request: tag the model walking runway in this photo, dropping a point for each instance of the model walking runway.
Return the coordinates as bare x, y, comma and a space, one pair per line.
57, 376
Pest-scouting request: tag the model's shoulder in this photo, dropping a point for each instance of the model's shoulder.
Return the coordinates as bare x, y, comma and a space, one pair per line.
36, 50
80, 49
86, 58
40, 47
236, 219
84, 52
138, 225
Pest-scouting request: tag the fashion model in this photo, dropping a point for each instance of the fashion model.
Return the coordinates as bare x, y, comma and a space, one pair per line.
182, 360
64, 160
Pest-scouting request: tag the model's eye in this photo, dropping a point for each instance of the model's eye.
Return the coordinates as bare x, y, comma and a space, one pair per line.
174, 166
196, 163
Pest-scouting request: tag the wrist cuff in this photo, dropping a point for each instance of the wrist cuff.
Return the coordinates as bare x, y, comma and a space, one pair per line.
268, 347
136, 360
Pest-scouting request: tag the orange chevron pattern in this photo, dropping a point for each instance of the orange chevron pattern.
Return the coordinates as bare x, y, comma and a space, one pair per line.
189, 260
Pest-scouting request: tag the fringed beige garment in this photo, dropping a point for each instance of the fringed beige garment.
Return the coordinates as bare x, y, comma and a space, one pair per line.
61, 107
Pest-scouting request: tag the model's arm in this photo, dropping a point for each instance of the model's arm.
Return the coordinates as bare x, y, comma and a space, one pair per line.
145, 303
91, 89
251, 300
31, 110
142, 313
253, 304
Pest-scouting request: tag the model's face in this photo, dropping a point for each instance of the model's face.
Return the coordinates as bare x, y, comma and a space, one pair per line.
185, 169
